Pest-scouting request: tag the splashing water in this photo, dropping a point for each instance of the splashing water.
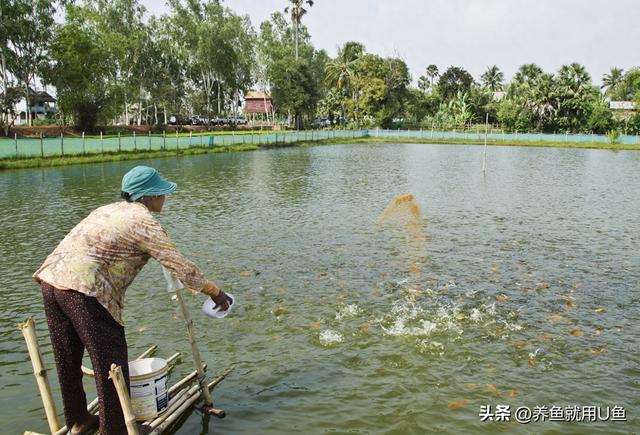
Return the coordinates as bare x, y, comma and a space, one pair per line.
329, 337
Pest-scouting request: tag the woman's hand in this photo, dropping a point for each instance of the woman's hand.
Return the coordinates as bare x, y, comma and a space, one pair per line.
222, 300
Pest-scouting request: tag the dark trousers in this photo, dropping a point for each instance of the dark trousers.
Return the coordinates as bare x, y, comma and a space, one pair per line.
77, 321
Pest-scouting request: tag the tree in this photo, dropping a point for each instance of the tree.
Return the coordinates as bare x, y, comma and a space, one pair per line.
293, 87
79, 69
297, 12
432, 73
492, 78
454, 80
612, 81
28, 29
575, 95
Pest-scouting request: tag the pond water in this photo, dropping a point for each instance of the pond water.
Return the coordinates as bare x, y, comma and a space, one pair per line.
521, 289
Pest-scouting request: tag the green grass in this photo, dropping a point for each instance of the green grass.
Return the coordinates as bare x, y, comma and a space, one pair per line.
36, 162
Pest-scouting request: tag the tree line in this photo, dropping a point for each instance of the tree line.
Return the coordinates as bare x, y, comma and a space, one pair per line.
110, 60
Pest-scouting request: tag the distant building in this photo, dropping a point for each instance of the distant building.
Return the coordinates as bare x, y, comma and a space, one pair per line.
622, 105
258, 102
499, 95
43, 106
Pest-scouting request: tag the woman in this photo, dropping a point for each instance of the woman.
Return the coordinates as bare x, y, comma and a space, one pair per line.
83, 286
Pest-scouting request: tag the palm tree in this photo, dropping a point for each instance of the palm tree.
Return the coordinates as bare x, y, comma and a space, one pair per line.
492, 78
423, 83
527, 72
340, 72
574, 79
297, 12
432, 73
612, 80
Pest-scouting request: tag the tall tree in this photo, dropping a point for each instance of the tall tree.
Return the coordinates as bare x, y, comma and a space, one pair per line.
454, 80
492, 78
297, 12
79, 69
612, 80
28, 32
432, 72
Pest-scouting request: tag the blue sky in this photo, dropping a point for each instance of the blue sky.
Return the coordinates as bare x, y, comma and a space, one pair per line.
472, 33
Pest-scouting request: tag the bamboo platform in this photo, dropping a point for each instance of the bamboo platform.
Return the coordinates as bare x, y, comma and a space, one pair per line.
183, 394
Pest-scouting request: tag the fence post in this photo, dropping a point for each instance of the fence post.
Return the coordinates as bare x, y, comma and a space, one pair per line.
149, 139
190, 138
15, 140
135, 145
101, 142
84, 149
164, 139
177, 141
119, 144
201, 139
592, 137
41, 146
62, 143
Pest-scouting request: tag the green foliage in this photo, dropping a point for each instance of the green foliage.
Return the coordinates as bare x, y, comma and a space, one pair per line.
600, 118
614, 136
79, 69
453, 81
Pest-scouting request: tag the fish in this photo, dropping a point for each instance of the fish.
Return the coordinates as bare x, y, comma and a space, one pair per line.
577, 333
501, 297
512, 392
493, 389
519, 344
457, 403
600, 310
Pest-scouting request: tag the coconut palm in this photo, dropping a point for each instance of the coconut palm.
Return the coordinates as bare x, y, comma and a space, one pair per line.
297, 12
612, 80
432, 73
492, 78
339, 72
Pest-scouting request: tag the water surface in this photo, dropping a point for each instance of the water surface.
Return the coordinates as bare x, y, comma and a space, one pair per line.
523, 292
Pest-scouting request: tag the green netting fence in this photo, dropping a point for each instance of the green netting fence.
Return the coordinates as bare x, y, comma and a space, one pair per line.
69, 146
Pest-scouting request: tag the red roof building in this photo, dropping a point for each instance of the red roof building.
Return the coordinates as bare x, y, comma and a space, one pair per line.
258, 102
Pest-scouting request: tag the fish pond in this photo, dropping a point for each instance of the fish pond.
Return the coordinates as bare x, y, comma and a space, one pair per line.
360, 310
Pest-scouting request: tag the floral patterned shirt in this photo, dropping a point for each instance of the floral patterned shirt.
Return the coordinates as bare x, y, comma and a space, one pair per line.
102, 255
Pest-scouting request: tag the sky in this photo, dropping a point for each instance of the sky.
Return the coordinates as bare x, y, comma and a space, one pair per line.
473, 34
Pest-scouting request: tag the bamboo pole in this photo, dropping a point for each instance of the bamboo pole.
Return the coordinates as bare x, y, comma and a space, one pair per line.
28, 329
183, 382
180, 406
167, 419
174, 405
115, 374
147, 353
194, 349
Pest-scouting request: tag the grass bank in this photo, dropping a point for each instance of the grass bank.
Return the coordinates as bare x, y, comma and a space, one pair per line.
38, 162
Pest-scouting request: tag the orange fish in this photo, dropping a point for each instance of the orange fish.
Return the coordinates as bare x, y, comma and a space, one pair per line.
501, 297
577, 333
457, 403
532, 362
519, 344
600, 310
512, 392
492, 389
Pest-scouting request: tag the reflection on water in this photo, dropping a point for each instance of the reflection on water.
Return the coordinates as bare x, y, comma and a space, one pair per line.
523, 289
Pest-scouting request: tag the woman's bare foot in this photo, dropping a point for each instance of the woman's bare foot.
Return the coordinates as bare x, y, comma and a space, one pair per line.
89, 425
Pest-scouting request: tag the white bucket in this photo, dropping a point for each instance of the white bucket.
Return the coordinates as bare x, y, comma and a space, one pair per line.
148, 382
